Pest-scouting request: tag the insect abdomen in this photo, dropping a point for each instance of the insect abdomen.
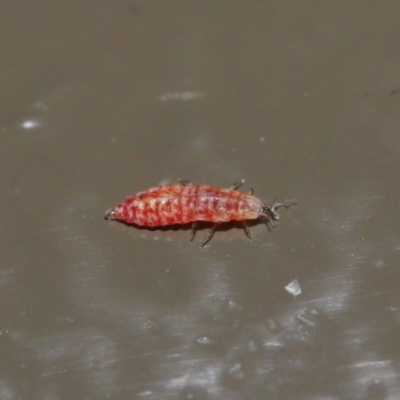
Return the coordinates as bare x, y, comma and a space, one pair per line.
180, 205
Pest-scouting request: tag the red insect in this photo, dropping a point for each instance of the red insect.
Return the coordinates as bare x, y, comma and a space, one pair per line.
186, 203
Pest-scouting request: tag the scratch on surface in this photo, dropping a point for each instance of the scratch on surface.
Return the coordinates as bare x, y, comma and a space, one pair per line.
381, 363
184, 96
380, 196
55, 229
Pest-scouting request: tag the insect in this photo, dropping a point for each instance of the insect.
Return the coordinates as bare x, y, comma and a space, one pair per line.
185, 203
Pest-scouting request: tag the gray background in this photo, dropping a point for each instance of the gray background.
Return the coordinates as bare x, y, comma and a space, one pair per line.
102, 99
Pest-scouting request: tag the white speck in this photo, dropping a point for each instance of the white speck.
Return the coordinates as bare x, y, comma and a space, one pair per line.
30, 124
293, 288
204, 340
273, 344
379, 263
236, 371
184, 96
262, 139
41, 106
232, 304
146, 393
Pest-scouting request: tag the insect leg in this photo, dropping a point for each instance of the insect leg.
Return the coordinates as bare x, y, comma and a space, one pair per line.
210, 234
251, 191
247, 230
270, 224
193, 231
184, 182
236, 185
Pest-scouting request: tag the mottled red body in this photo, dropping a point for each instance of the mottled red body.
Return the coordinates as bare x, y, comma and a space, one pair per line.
178, 204
182, 204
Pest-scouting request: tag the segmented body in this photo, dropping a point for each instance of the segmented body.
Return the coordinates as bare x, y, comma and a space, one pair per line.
183, 204
178, 204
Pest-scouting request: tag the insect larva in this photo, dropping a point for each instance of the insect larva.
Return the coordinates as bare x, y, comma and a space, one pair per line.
187, 203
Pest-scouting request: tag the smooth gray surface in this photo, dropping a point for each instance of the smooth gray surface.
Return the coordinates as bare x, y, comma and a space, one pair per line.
103, 99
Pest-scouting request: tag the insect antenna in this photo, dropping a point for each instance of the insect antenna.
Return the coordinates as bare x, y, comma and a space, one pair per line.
276, 205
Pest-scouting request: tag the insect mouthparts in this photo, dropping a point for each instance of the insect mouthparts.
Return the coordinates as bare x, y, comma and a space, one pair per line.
269, 212
269, 215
